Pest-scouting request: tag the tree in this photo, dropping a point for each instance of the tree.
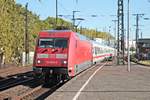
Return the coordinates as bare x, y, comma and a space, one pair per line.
132, 49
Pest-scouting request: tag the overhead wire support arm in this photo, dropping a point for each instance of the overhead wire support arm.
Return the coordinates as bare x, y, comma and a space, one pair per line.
73, 18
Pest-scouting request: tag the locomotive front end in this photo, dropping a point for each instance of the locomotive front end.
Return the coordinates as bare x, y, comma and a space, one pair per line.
52, 52
51, 55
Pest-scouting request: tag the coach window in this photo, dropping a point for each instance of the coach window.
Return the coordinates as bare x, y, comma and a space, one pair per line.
101, 49
95, 50
98, 50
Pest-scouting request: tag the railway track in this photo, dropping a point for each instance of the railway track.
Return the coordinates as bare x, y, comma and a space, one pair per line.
38, 92
6, 72
23, 86
33, 94
13, 83
14, 80
19, 88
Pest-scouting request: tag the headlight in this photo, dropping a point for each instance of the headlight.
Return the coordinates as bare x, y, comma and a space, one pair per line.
38, 61
65, 62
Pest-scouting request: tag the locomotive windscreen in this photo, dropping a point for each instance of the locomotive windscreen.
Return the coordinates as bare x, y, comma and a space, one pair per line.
53, 43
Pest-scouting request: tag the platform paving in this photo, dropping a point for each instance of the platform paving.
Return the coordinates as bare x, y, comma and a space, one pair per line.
109, 83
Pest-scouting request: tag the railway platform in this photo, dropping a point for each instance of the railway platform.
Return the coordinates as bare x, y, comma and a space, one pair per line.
107, 82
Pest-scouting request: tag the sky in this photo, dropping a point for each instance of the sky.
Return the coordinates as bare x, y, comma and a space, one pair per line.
105, 11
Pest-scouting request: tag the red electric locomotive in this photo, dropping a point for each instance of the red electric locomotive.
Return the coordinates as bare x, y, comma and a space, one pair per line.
61, 54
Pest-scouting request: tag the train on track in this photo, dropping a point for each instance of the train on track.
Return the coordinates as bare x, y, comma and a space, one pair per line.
62, 54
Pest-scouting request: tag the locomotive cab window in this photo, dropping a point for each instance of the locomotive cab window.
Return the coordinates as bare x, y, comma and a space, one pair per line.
46, 43
60, 43
53, 43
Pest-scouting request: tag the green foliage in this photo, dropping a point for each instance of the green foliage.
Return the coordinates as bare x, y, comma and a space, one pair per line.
145, 62
132, 49
12, 29
91, 33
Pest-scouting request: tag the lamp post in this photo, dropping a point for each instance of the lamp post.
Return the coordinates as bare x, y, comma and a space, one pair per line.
128, 22
56, 13
26, 42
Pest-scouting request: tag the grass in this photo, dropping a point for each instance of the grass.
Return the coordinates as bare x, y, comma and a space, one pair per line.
145, 62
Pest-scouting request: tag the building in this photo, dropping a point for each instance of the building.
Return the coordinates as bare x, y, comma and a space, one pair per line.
143, 49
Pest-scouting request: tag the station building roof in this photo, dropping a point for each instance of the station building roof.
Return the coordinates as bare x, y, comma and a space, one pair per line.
145, 43
144, 40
